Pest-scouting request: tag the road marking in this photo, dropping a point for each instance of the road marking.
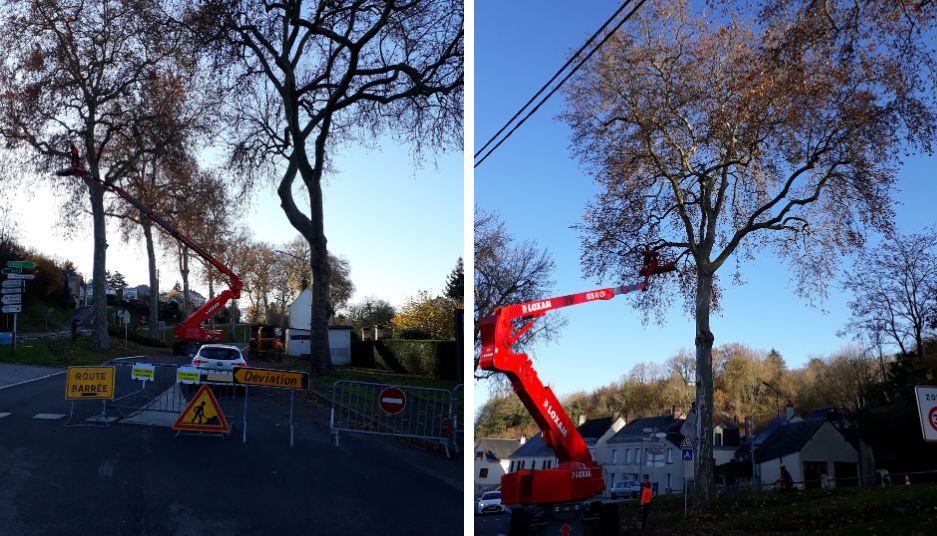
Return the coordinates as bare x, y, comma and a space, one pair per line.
32, 380
4, 414
48, 416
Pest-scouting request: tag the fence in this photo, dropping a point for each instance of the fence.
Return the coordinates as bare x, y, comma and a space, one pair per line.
393, 410
157, 401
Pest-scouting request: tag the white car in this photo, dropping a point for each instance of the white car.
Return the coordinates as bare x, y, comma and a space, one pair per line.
626, 489
489, 503
218, 357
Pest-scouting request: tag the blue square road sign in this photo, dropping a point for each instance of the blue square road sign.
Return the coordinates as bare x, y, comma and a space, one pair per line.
687, 455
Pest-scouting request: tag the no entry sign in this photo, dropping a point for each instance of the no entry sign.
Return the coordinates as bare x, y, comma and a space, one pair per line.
392, 400
927, 410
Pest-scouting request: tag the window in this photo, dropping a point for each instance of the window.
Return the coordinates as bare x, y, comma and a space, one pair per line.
483, 472
717, 439
547, 464
614, 458
669, 456
668, 481
511, 468
479, 454
521, 468
627, 455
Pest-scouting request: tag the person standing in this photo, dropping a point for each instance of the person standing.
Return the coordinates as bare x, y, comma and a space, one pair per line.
786, 480
646, 496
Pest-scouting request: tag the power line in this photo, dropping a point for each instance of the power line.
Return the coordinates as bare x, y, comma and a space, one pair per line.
563, 81
554, 77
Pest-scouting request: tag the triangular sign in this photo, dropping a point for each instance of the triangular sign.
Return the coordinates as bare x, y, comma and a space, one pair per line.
687, 443
202, 414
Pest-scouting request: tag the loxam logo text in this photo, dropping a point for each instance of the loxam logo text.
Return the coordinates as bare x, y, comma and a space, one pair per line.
556, 418
582, 473
536, 306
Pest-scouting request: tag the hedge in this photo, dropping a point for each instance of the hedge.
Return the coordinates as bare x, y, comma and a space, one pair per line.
436, 359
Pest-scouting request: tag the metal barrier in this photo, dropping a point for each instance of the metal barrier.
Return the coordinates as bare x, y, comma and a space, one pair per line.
392, 410
456, 405
156, 400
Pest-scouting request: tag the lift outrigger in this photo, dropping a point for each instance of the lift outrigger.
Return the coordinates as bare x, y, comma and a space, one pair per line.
563, 500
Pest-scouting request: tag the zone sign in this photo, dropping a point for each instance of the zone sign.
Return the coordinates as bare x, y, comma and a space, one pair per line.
927, 410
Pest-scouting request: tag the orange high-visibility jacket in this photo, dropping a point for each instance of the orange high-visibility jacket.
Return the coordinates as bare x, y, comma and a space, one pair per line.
645, 496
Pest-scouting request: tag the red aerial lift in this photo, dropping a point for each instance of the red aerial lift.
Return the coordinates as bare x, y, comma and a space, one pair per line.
562, 500
189, 335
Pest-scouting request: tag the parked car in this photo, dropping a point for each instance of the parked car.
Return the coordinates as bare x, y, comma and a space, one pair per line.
218, 357
489, 503
626, 489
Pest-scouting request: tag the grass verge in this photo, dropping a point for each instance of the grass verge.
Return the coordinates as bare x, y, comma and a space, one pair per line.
899, 509
62, 352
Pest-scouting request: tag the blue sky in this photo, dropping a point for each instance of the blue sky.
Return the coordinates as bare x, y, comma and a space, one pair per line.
540, 192
399, 226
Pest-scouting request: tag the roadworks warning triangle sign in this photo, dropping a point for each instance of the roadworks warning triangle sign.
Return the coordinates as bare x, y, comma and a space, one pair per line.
202, 414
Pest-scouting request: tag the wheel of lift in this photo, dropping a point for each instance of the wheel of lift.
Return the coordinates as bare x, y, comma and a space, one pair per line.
610, 519
520, 522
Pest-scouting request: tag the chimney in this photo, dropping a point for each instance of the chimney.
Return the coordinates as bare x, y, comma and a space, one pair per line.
677, 410
523, 440
789, 410
615, 415
582, 419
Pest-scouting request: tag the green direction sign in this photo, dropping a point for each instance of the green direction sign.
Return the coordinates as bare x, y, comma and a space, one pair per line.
20, 264
12, 271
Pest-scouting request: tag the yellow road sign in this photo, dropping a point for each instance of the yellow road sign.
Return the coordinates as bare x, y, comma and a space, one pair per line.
89, 383
284, 379
202, 414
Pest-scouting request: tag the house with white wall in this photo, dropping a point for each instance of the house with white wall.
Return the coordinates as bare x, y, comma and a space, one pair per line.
297, 335
535, 454
492, 461
636, 452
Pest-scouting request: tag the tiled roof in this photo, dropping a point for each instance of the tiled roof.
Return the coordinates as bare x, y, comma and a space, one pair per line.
533, 448
499, 448
594, 428
634, 431
785, 439
590, 431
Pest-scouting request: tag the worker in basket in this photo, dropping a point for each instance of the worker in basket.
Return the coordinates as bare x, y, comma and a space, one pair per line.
646, 495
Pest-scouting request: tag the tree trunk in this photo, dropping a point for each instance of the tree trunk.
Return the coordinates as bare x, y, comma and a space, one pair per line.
154, 282
100, 338
321, 360
704, 483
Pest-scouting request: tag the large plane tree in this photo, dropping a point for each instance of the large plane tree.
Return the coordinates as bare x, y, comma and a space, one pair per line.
312, 74
77, 72
716, 138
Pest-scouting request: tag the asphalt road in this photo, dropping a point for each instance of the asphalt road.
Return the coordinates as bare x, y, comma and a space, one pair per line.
142, 480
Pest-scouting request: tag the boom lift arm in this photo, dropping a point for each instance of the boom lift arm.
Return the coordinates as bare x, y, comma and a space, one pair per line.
190, 330
577, 475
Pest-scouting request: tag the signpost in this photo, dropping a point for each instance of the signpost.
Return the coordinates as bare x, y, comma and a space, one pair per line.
203, 414
927, 410
13, 287
392, 400
144, 372
283, 379
89, 383
686, 448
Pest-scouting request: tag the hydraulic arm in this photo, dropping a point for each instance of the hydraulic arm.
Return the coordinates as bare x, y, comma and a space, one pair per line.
577, 476
189, 334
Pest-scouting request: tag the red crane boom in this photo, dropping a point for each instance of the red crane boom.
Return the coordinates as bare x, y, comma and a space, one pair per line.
577, 476
190, 332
